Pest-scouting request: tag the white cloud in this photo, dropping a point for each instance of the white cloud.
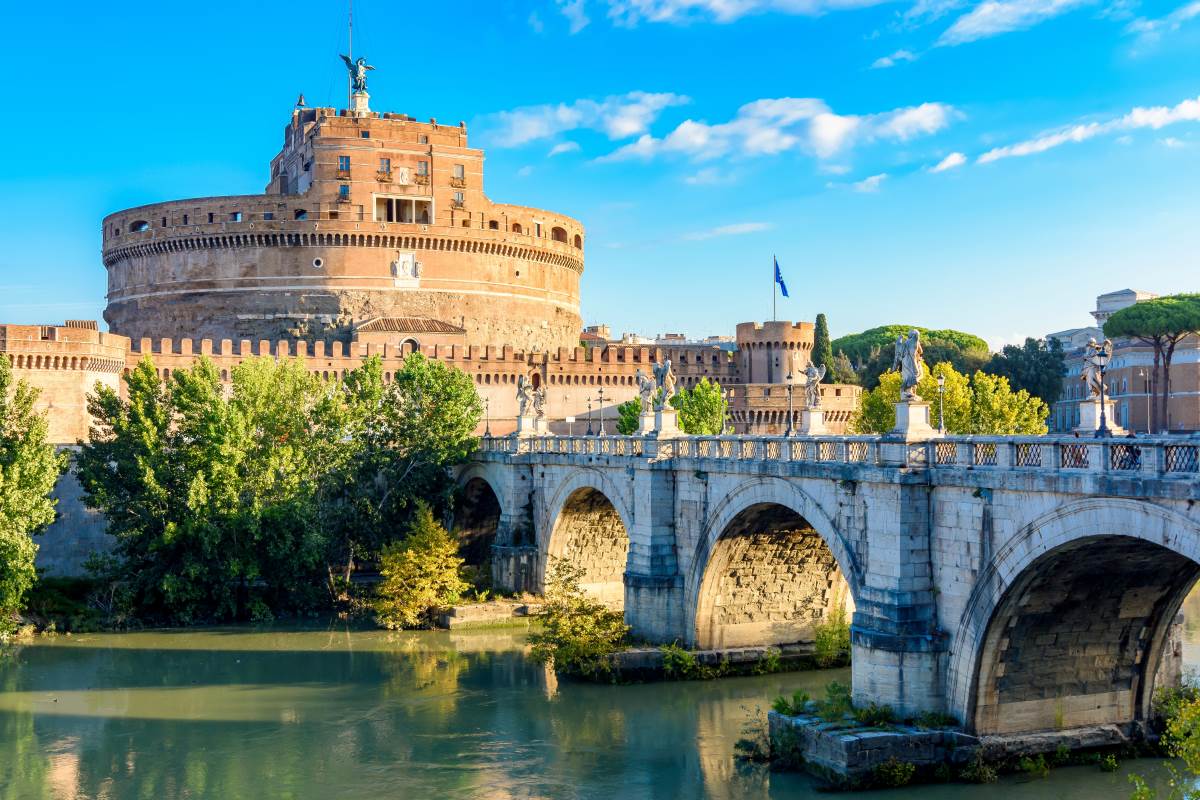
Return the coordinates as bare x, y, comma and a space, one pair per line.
632, 12
1172, 142
869, 185
736, 229
1152, 117
618, 117
994, 17
1149, 31
894, 59
770, 126
563, 147
535, 22
524, 172
950, 162
575, 13
709, 176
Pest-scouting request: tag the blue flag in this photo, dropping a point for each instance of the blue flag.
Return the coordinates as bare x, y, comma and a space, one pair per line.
779, 278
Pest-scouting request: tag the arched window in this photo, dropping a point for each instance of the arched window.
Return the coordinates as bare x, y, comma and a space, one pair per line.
138, 226
558, 234
578, 242
516, 227
493, 225
301, 213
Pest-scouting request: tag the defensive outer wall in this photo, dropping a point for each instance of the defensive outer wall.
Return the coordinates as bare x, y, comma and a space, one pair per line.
1017, 584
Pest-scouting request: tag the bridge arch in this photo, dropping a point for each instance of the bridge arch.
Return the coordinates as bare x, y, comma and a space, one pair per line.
770, 566
479, 510
588, 523
1068, 624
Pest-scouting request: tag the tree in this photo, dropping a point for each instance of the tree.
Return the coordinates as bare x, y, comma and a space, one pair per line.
842, 370
629, 416
702, 409
1037, 367
422, 573
872, 351
579, 636
985, 404
29, 468
1161, 323
822, 352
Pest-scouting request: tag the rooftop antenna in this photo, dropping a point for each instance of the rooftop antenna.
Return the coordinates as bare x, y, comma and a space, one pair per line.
349, 78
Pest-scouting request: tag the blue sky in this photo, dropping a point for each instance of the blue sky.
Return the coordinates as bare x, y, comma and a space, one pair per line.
989, 166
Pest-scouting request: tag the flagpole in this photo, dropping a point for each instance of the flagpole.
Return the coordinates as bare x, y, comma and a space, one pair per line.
774, 263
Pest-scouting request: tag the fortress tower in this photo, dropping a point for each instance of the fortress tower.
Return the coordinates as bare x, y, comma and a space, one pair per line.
370, 221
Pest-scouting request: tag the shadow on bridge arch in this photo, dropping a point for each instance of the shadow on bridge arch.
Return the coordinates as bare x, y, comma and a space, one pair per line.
1069, 625
588, 526
771, 569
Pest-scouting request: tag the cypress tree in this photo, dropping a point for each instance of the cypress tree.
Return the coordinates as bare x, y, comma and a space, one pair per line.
822, 353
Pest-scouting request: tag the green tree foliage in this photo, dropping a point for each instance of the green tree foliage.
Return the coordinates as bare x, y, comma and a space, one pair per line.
842, 371
29, 468
628, 415
1161, 323
422, 574
822, 352
579, 636
228, 506
984, 404
1037, 367
872, 350
702, 409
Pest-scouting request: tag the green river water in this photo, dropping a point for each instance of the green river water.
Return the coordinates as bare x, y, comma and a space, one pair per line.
334, 713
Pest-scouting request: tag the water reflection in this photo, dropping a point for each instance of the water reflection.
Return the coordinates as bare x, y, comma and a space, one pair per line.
342, 713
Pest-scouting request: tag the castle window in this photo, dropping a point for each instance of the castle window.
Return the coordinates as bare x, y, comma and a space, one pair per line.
343, 163
422, 167
537, 229
516, 227
185, 219
236, 216
558, 234
578, 241
301, 213
423, 139
344, 192
333, 215
458, 198
211, 217
493, 225
460, 171
164, 222
365, 134
466, 223
139, 226
385, 165
268, 216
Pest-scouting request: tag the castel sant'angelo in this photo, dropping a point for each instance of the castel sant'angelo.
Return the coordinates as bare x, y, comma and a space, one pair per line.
374, 236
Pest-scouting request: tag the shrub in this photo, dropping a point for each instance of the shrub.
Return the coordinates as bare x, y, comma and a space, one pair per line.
837, 703
979, 770
831, 640
1109, 763
770, 663
1034, 767
420, 575
895, 772
874, 716
933, 720
579, 636
1062, 755
678, 663
798, 704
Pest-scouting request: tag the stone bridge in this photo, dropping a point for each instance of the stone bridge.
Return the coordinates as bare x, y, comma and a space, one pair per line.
1017, 584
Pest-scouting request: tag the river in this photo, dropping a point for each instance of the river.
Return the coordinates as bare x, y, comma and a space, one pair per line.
289, 712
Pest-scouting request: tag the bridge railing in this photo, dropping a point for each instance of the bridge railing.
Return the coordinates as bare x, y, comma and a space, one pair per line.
1170, 456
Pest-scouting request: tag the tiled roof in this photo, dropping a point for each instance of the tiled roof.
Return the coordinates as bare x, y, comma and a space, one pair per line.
406, 325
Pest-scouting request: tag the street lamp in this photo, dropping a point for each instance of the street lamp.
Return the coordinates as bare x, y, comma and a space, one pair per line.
1099, 357
589, 430
600, 397
725, 423
487, 412
1146, 390
941, 403
791, 380
570, 417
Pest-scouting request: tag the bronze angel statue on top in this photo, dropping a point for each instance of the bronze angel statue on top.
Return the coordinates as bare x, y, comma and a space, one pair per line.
358, 73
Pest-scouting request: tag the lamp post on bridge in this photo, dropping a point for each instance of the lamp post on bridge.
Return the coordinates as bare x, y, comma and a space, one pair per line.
487, 415
1146, 391
600, 398
589, 430
1099, 357
791, 383
726, 421
941, 404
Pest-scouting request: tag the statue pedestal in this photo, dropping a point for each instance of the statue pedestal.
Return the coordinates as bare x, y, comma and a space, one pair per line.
359, 104
912, 422
665, 423
1089, 417
812, 422
528, 426
541, 426
646, 424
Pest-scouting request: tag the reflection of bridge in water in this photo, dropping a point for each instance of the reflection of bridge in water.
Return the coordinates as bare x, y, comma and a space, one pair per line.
1017, 583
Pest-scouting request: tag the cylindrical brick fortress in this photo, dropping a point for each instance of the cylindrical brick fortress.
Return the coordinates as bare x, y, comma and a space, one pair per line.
366, 217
